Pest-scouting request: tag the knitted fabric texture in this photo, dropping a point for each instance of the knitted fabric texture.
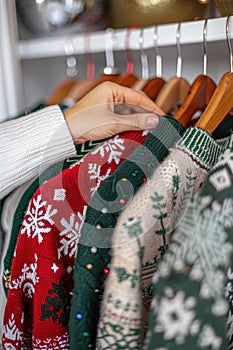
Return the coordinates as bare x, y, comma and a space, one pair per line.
82, 150
102, 213
189, 307
42, 270
142, 235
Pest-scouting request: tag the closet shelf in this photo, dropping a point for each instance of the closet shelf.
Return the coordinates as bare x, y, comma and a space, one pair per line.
191, 32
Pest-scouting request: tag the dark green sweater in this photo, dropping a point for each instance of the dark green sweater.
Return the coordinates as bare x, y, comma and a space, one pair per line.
103, 210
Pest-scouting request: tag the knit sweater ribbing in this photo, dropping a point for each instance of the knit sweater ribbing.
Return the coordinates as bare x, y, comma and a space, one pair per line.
50, 142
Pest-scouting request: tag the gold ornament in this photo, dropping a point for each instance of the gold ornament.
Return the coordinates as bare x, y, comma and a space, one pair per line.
125, 13
225, 7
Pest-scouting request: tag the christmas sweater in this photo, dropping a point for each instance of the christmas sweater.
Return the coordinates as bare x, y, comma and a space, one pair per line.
102, 213
41, 280
142, 235
28, 192
14, 209
193, 285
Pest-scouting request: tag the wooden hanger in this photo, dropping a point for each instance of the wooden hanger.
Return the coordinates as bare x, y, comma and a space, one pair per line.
222, 99
197, 99
219, 105
154, 85
173, 93
200, 92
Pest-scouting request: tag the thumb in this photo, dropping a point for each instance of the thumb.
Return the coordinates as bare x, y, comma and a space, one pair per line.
137, 121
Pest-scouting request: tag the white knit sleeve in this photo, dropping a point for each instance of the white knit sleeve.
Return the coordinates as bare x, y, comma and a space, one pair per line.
30, 144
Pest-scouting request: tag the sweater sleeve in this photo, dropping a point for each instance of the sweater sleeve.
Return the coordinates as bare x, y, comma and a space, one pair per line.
30, 144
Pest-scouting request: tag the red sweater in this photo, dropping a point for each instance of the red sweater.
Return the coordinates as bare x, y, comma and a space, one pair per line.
38, 303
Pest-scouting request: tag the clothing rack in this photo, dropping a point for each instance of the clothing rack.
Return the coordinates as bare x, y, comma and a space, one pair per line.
190, 33
25, 66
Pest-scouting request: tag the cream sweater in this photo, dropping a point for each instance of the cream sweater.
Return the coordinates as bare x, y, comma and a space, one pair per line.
31, 143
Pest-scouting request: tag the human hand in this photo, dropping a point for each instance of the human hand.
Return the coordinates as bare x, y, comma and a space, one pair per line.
94, 117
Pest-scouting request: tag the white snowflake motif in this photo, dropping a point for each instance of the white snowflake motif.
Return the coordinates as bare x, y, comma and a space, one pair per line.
27, 280
37, 217
11, 332
220, 180
175, 316
54, 268
57, 343
206, 242
71, 234
225, 158
114, 147
94, 171
59, 194
208, 339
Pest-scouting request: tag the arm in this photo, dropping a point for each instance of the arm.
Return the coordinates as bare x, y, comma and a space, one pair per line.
31, 143
28, 144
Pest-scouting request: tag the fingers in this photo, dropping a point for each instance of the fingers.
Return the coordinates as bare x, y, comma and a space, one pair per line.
139, 121
119, 94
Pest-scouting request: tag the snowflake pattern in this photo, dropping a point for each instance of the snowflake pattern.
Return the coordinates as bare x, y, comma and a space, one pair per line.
198, 249
36, 218
114, 147
175, 315
27, 280
11, 332
58, 343
226, 158
221, 180
208, 339
71, 234
94, 171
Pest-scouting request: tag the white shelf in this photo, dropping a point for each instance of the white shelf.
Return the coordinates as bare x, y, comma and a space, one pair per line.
190, 32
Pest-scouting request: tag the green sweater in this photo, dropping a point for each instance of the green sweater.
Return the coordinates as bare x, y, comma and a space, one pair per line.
103, 210
191, 295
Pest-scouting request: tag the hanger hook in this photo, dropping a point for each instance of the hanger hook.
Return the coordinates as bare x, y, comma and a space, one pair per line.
144, 58
179, 55
205, 47
130, 62
158, 58
89, 56
229, 41
71, 62
109, 52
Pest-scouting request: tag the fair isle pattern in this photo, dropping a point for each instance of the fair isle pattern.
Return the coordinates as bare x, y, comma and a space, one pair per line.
59, 195
191, 293
41, 279
140, 241
57, 343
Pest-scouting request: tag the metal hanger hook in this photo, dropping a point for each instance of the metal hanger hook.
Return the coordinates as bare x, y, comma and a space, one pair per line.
130, 61
229, 41
205, 47
144, 58
158, 57
109, 52
71, 62
179, 55
89, 56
